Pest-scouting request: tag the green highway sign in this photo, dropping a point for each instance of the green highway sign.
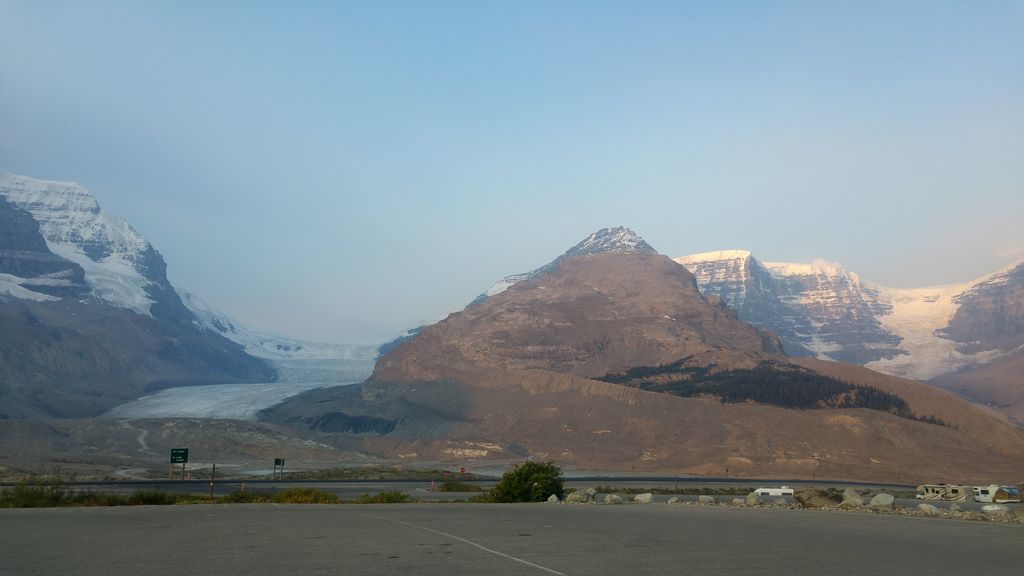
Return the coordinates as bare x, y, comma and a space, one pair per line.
179, 455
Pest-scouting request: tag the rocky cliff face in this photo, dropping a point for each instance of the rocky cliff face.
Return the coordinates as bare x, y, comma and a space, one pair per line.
831, 313
120, 267
990, 314
90, 319
27, 267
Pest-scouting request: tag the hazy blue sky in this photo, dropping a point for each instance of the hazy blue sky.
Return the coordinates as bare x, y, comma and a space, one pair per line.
340, 171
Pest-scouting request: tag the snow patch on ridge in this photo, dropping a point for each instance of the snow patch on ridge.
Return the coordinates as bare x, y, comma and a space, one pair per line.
718, 256
10, 285
819, 266
506, 283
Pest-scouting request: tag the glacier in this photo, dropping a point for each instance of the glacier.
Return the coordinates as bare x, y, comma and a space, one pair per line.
219, 401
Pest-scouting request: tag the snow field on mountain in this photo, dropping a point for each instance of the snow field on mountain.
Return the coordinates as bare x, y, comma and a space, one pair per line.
917, 315
69, 219
113, 279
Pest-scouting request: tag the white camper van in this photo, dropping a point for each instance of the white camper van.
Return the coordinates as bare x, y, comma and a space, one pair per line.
996, 493
784, 491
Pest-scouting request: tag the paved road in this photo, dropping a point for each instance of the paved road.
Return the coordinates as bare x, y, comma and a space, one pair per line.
446, 539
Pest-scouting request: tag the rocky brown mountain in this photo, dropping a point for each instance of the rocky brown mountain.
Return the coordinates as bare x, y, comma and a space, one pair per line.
682, 388
998, 384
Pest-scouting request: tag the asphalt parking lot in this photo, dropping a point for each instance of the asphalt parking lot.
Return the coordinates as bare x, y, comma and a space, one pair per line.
501, 539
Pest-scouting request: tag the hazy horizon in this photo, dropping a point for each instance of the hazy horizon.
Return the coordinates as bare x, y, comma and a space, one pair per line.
341, 171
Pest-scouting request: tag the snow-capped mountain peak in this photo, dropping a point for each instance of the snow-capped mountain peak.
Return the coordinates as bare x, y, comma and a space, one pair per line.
121, 267
619, 240
68, 214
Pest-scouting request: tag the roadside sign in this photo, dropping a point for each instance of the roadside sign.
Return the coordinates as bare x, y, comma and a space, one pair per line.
278, 461
179, 455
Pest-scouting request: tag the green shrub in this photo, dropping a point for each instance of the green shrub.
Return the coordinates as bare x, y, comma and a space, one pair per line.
530, 482
100, 499
152, 498
304, 496
482, 498
243, 498
392, 497
454, 486
34, 494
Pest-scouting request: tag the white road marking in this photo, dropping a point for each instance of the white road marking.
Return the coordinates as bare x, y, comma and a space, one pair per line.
471, 543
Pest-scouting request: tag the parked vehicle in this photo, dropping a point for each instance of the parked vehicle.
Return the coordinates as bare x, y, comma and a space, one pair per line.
949, 492
783, 491
996, 493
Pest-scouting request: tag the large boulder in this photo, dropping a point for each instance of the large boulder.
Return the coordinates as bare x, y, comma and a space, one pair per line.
591, 493
673, 500
882, 502
645, 498
997, 511
577, 498
851, 499
705, 499
738, 502
553, 499
612, 499
928, 509
814, 498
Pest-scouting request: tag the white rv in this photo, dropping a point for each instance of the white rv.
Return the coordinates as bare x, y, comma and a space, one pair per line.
784, 491
950, 492
996, 493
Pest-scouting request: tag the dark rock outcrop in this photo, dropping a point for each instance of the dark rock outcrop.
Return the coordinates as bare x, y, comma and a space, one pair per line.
990, 315
23, 253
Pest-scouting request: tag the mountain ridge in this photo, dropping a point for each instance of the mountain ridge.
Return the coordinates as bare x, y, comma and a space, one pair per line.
515, 374
899, 331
